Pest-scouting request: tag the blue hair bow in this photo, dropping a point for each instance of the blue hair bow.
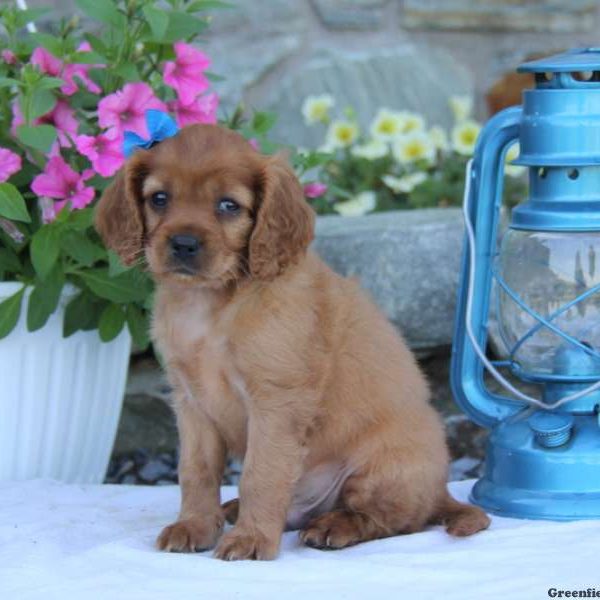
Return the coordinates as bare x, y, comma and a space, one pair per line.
160, 126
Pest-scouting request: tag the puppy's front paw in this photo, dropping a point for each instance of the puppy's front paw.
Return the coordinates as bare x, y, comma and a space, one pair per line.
245, 544
190, 535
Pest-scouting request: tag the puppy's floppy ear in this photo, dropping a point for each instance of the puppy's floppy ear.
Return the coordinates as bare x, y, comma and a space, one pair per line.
119, 216
284, 223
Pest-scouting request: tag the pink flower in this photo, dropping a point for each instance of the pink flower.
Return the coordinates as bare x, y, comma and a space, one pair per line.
103, 151
46, 62
126, 108
60, 182
254, 143
9, 57
186, 73
314, 190
202, 110
61, 116
10, 163
53, 66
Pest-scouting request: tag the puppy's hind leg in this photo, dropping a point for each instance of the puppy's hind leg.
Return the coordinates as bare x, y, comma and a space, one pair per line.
382, 499
460, 519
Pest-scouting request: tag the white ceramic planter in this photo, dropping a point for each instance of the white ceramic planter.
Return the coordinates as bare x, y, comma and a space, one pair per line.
60, 399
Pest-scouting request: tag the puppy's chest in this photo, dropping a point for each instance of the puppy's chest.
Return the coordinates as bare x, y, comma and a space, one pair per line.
199, 359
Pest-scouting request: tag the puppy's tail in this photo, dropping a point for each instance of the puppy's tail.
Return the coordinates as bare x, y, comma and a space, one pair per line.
461, 519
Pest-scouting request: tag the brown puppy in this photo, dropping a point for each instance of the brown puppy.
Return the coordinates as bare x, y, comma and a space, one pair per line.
273, 358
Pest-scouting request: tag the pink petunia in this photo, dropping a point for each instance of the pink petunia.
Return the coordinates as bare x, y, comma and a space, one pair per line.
103, 151
125, 110
62, 117
46, 62
10, 163
202, 110
8, 56
315, 189
61, 182
254, 143
186, 73
49, 64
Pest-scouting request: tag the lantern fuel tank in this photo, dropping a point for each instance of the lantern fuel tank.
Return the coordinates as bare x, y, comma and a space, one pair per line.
541, 281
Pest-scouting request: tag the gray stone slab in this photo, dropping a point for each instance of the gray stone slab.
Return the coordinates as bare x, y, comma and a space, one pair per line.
403, 77
409, 261
563, 16
351, 14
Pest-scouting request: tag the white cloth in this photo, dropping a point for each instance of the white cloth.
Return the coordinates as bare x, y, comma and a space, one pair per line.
90, 542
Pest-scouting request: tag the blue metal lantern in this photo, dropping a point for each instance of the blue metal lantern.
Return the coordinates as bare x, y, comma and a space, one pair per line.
542, 280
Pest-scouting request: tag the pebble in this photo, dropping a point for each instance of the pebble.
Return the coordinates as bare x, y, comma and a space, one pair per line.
141, 468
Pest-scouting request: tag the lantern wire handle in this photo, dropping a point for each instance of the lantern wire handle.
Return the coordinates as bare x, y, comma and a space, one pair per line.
507, 385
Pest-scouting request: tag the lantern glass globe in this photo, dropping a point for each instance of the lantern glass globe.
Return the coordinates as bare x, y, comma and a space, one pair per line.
547, 271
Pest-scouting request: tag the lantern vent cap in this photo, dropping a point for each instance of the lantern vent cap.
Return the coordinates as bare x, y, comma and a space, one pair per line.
577, 60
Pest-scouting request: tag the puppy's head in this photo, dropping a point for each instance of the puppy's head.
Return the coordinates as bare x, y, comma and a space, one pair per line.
206, 208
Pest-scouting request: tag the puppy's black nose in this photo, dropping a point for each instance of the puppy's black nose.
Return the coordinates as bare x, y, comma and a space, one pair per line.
184, 247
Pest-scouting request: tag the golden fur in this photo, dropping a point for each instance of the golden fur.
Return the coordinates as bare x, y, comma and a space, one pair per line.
276, 359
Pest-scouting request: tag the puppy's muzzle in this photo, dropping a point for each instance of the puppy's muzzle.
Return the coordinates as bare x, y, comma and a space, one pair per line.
185, 249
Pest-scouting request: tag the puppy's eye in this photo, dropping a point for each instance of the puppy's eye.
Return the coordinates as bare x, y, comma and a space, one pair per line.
159, 199
228, 206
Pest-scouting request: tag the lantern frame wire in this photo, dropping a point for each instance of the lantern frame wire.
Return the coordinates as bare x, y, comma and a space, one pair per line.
543, 322
505, 383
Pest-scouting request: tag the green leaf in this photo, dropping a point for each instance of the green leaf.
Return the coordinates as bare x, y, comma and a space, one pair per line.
182, 26
78, 246
51, 43
8, 82
79, 220
200, 5
104, 11
49, 83
213, 77
115, 266
89, 58
128, 71
45, 249
44, 299
125, 287
12, 205
157, 19
81, 313
40, 137
263, 121
10, 310
111, 322
9, 261
139, 326
41, 102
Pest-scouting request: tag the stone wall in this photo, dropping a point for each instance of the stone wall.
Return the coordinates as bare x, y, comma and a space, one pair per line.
368, 53
399, 53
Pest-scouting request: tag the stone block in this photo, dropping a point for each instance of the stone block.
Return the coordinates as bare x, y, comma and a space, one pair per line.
405, 77
499, 15
351, 14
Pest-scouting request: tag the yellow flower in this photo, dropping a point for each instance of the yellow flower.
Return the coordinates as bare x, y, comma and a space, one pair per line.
438, 138
361, 204
413, 147
513, 170
341, 134
461, 107
412, 122
387, 125
315, 109
464, 136
404, 184
371, 150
